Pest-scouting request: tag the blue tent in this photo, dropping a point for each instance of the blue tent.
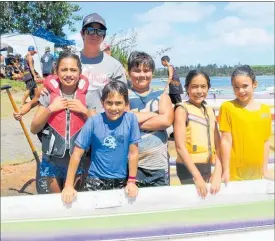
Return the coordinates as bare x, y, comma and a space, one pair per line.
59, 42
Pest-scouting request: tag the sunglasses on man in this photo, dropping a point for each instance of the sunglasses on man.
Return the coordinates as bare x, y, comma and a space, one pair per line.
91, 31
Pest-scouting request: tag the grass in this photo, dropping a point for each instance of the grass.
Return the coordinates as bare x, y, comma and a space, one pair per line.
16, 85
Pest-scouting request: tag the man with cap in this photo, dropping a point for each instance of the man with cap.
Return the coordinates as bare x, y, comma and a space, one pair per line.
29, 77
99, 67
47, 62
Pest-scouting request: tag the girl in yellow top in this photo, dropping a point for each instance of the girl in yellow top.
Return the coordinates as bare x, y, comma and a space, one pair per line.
246, 127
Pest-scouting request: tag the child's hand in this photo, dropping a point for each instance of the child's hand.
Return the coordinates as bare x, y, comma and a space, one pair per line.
17, 116
131, 189
201, 187
68, 194
215, 181
77, 106
59, 103
225, 177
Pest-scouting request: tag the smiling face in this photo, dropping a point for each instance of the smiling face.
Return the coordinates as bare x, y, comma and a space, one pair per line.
141, 77
243, 88
68, 72
114, 105
198, 89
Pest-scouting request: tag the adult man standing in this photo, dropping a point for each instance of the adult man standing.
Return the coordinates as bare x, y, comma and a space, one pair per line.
30, 78
47, 62
175, 87
99, 67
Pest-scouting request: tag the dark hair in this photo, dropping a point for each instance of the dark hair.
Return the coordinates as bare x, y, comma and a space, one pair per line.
192, 74
68, 54
115, 86
137, 58
244, 70
165, 58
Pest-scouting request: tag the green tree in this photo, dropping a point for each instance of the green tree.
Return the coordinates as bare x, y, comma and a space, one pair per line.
26, 17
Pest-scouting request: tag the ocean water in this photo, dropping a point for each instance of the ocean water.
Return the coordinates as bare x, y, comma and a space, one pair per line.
223, 84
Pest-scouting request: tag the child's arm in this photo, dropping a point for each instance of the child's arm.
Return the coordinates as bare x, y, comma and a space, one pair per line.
267, 174
144, 116
216, 177
226, 145
183, 155
131, 188
165, 117
69, 193
28, 106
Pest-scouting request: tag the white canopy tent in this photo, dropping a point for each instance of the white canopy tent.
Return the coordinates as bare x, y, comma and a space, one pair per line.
21, 42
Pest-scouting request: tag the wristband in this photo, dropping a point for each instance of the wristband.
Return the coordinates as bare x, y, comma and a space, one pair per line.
131, 177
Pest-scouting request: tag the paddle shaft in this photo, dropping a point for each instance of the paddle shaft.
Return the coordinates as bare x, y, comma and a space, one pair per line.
36, 157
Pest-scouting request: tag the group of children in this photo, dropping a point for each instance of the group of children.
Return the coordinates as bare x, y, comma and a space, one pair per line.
126, 146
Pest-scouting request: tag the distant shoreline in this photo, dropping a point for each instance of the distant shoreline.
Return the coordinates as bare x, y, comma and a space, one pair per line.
183, 76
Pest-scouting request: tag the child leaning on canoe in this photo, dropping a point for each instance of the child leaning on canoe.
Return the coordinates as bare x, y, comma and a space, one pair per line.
113, 136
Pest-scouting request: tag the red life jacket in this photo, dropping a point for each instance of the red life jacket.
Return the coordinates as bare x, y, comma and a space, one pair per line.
55, 134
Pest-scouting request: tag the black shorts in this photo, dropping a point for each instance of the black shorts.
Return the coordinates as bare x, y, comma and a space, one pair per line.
175, 98
186, 177
31, 86
94, 184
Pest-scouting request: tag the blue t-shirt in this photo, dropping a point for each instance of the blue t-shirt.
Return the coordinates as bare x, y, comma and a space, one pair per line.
110, 141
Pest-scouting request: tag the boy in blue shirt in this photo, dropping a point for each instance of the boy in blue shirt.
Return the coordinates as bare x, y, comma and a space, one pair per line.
113, 138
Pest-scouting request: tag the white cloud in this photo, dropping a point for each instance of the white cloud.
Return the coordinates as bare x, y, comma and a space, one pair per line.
176, 12
262, 12
224, 25
151, 31
248, 37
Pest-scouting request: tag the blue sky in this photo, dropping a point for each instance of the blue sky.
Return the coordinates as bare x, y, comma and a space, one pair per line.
197, 32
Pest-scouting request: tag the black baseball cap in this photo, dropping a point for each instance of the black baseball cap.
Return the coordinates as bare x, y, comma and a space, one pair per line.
94, 18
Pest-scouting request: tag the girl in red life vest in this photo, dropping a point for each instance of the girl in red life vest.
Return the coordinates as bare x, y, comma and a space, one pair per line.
60, 116
197, 137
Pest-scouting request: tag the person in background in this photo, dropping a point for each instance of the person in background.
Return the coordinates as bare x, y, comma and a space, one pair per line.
197, 138
155, 113
47, 62
245, 127
173, 82
30, 78
106, 48
113, 137
60, 116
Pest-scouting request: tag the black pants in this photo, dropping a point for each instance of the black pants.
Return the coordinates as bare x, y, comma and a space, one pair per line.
175, 98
